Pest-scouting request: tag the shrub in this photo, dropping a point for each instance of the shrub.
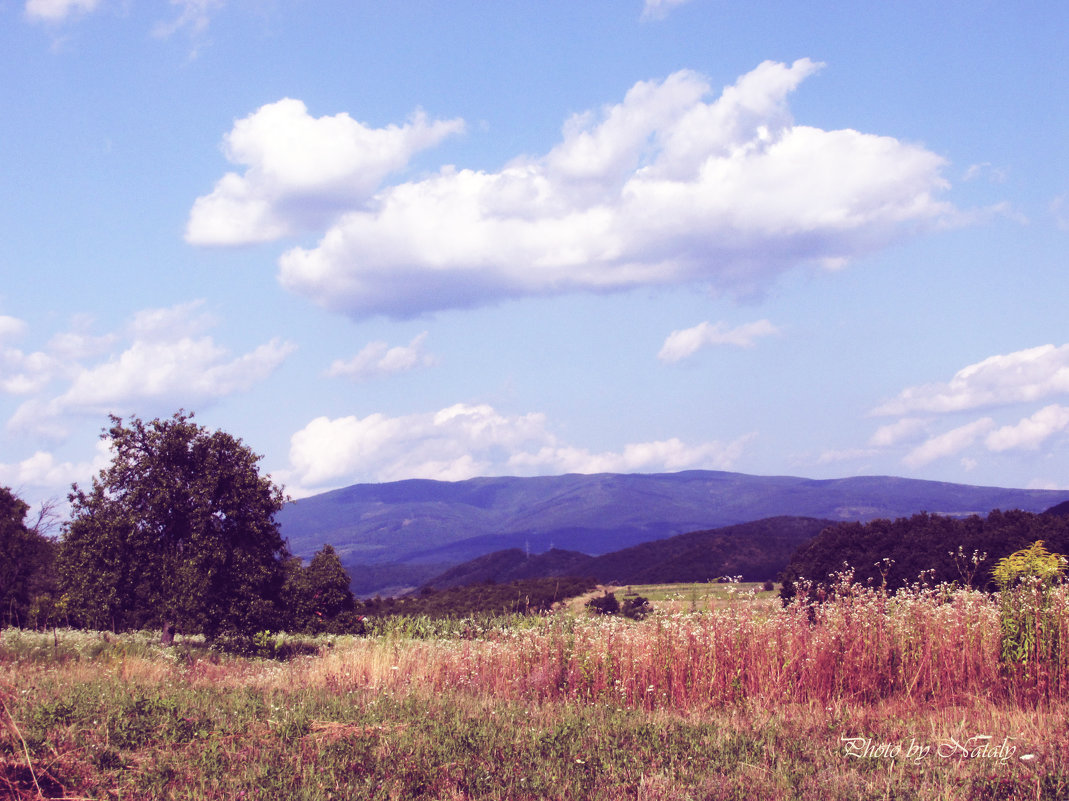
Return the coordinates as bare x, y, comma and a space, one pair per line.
635, 607
605, 605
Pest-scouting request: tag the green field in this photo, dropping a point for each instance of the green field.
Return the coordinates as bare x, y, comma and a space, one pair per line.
864, 698
699, 595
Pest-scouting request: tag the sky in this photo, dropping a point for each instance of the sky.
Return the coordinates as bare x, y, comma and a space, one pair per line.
380, 241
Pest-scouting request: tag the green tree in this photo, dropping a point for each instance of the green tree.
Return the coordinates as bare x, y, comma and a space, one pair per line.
178, 531
328, 583
27, 556
318, 597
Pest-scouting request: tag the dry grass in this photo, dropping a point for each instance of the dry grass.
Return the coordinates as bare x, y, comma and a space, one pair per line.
807, 702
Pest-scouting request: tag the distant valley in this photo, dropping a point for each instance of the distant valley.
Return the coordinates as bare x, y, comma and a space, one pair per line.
396, 536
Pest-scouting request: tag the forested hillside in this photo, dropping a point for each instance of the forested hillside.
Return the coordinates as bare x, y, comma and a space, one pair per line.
943, 545
395, 537
756, 551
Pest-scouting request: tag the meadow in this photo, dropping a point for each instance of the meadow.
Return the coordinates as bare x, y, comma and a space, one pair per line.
864, 696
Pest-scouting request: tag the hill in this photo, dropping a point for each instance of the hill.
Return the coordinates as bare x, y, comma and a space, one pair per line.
756, 551
396, 536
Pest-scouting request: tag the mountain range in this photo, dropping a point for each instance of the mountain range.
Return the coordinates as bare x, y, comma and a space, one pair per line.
395, 536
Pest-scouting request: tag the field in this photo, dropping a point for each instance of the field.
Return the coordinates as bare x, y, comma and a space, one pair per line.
864, 697
701, 595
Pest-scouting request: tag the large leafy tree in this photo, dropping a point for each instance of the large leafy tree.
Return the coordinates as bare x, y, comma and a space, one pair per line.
318, 596
27, 580
178, 531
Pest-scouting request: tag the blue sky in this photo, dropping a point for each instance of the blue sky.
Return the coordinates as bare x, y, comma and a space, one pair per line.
411, 239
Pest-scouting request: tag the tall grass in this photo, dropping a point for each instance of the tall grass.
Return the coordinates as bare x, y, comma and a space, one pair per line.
936, 646
739, 702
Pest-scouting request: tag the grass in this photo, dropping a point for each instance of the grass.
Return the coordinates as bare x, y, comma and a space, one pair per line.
729, 702
697, 596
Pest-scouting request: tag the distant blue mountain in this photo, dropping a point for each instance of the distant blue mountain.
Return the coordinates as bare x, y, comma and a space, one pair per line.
394, 536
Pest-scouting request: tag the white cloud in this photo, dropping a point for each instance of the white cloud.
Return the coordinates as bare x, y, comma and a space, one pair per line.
681, 344
25, 373
302, 171
58, 10
1030, 432
463, 441
666, 455
658, 9
379, 359
668, 186
892, 434
11, 327
194, 369
42, 469
22, 373
949, 443
167, 362
1022, 376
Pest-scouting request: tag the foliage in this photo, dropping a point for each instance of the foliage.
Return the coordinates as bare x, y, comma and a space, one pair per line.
317, 597
264, 645
1026, 578
1035, 561
634, 606
897, 552
27, 572
517, 597
178, 529
604, 604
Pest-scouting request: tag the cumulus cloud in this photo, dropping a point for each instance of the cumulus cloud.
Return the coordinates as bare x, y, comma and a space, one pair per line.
195, 369
25, 373
902, 430
58, 10
670, 455
686, 342
167, 361
669, 186
11, 327
949, 443
463, 441
302, 171
43, 469
1030, 432
1022, 376
378, 359
21, 373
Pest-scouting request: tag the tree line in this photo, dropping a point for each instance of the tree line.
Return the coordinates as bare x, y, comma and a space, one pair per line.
933, 548
177, 533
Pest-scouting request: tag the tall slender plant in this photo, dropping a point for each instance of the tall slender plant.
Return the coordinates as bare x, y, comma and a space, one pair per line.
1025, 579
